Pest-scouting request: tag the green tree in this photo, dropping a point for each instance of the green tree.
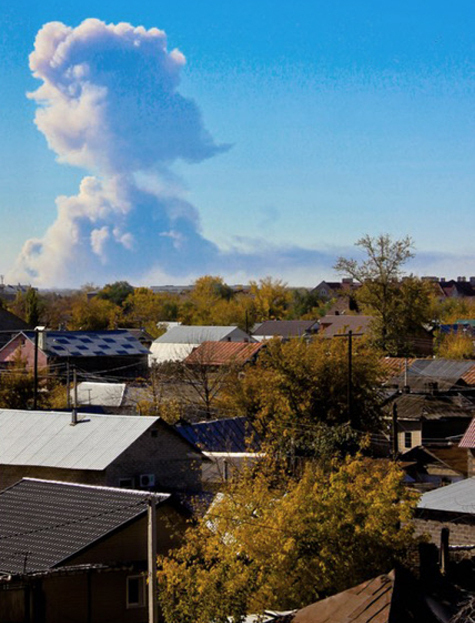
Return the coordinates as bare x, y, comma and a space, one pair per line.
116, 292
266, 544
399, 308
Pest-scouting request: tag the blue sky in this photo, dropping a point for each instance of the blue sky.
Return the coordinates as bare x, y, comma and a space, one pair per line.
341, 119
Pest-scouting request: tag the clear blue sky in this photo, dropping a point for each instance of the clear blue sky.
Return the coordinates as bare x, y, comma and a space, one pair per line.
343, 118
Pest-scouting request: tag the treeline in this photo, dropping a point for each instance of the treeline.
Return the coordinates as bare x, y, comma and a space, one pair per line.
210, 302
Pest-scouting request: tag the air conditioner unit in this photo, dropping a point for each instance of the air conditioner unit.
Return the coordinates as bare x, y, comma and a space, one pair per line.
147, 480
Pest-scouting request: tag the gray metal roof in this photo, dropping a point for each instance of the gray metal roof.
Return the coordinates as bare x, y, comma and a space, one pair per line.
184, 334
446, 372
46, 438
90, 343
456, 498
102, 394
43, 523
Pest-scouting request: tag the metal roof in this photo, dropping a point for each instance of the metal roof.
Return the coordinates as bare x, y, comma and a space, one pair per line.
194, 334
456, 498
103, 394
446, 372
367, 602
43, 523
46, 438
286, 328
342, 323
468, 440
90, 343
223, 435
433, 407
223, 353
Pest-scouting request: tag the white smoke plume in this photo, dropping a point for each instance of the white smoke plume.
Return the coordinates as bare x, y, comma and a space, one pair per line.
109, 103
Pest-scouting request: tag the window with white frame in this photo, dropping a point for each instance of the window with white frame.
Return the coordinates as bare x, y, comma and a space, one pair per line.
136, 591
408, 439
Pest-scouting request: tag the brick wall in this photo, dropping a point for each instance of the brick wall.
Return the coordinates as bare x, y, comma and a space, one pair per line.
462, 527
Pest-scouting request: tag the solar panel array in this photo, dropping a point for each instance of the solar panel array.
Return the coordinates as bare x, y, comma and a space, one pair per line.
91, 343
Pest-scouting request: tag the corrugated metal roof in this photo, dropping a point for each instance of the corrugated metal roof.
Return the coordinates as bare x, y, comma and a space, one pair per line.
286, 328
184, 334
223, 353
468, 440
90, 343
46, 438
446, 372
367, 602
43, 523
455, 498
169, 352
102, 394
433, 407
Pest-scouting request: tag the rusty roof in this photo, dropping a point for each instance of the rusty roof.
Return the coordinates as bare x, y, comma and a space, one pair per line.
367, 602
394, 366
223, 353
468, 440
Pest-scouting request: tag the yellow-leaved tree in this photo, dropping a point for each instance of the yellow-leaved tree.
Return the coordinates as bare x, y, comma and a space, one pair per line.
283, 543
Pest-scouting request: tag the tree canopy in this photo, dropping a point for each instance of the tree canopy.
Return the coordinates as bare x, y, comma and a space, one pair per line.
265, 545
399, 307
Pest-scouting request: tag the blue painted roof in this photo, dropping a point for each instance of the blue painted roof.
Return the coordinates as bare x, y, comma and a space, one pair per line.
224, 435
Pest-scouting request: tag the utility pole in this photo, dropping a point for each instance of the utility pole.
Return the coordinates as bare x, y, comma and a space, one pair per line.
349, 389
35, 372
395, 430
68, 385
152, 560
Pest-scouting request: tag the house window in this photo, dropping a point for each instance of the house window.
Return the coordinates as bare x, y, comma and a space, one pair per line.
126, 483
136, 591
408, 440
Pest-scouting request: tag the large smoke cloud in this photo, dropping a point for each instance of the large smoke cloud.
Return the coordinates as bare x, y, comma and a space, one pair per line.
109, 103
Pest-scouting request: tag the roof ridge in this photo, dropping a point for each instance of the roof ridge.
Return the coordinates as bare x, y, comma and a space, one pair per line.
135, 492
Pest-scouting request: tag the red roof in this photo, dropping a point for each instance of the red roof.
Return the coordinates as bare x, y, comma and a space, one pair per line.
223, 353
468, 440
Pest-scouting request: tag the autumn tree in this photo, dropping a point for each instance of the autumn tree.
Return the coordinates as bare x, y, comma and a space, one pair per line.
297, 395
271, 299
399, 307
93, 314
457, 345
265, 544
144, 308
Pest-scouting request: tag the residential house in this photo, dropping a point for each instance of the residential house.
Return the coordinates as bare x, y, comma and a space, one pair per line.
106, 450
425, 419
468, 443
116, 352
77, 553
331, 325
218, 354
453, 507
434, 466
332, 289
10, 325
229, 443
179, 341
285, 329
